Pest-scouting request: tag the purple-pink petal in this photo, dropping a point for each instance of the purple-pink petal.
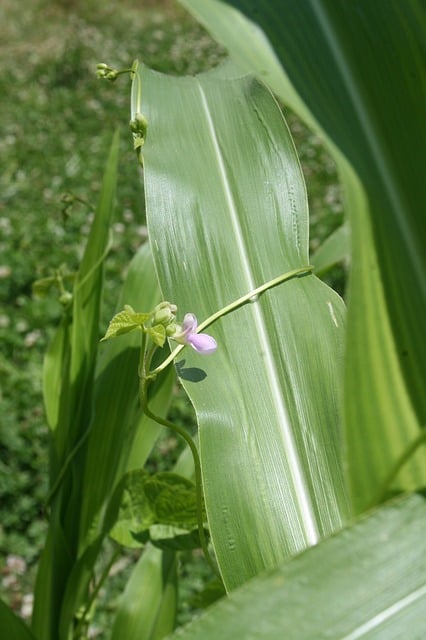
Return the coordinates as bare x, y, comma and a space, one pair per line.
189, 324
202, 342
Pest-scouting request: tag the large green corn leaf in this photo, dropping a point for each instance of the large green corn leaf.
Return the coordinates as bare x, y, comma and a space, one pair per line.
366, 582
227, 211
355, 72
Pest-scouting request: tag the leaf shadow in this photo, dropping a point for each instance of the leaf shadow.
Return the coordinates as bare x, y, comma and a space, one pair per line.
192, 374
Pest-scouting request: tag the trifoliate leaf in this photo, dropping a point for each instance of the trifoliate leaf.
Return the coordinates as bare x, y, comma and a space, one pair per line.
161, 508
125, 321
172, 499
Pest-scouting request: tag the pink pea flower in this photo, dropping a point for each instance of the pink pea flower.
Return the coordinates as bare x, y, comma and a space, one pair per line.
186, 334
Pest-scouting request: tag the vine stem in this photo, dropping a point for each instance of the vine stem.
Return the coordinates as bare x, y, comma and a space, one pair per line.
252, 296
197, 468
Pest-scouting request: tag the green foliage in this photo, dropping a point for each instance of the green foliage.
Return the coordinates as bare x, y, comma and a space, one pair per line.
165, 498
95, 442
335, 248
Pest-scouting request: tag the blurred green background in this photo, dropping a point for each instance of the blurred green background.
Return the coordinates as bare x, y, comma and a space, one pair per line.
57, 120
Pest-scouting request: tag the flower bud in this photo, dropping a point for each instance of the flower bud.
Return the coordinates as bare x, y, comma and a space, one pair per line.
164, 313
65, 298
105, 71
102, 69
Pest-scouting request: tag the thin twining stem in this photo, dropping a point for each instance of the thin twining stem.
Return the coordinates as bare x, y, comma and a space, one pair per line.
252, 296
197, 470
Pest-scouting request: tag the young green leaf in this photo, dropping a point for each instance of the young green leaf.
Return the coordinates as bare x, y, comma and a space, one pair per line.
125, 321
157, 334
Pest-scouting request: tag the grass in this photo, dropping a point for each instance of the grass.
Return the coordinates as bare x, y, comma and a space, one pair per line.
57, 122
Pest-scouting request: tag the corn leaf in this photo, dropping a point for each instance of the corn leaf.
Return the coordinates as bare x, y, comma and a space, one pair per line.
56, 371
232, 215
